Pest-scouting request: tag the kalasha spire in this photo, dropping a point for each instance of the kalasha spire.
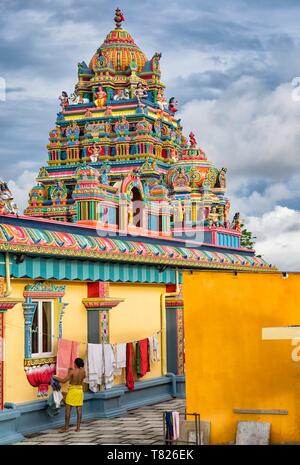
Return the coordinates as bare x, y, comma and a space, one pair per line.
119, 18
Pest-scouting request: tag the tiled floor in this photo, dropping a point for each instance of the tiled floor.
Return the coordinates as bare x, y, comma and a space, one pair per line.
140, 426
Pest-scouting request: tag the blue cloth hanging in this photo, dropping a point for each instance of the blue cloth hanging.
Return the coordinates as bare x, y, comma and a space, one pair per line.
55, 384
169, 427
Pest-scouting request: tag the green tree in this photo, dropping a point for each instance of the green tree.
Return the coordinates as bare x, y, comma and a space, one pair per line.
247, 238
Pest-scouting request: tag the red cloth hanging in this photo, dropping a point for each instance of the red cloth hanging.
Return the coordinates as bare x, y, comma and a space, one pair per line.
144, 365
129, 366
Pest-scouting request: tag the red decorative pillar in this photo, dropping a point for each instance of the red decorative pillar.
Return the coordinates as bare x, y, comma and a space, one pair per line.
98, 303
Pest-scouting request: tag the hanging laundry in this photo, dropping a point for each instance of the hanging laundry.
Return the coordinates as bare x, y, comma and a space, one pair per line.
67, 352
109, 365
58, 397
56, 390
142, 357
151, 349
94, 366
129, 366
176, 432
55, 398
74, 352
55, 384
52, 409
169, 427
120, 357
154, 348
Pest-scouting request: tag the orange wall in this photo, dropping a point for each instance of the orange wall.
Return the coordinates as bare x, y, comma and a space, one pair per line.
228, 365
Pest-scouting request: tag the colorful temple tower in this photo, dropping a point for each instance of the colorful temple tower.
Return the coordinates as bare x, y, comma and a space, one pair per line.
118, 157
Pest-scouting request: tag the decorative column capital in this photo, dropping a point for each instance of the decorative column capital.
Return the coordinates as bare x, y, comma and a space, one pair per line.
6, 303
101, 303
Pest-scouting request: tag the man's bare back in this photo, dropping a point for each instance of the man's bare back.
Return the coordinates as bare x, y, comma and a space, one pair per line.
77, 376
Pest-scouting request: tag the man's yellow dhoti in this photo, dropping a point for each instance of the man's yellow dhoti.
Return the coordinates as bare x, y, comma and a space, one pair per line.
75, 395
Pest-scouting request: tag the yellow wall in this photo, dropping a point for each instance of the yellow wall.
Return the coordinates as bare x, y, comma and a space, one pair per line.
228, 365
17, 388
136, 318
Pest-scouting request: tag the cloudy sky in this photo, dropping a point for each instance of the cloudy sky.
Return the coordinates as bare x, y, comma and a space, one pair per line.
233, 66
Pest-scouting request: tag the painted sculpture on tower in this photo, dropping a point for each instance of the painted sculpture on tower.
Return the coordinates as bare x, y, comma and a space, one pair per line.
173, 105
100, 98
193, 142
141, 92
64, 100
160, 99
118, 116
7, 203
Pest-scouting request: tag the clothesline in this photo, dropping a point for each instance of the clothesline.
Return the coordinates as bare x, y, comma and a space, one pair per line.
80, 342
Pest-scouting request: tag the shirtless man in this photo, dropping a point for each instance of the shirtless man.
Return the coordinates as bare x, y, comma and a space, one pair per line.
74, 396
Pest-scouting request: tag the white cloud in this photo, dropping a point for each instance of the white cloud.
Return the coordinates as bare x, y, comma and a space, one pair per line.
254, 131
265, 200
20, 188
250, 128
278, 237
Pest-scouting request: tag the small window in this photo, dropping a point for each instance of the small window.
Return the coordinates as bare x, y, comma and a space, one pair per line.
42, 336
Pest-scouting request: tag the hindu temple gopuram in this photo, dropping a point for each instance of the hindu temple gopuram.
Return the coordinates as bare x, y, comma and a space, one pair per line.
123, 204
116, 142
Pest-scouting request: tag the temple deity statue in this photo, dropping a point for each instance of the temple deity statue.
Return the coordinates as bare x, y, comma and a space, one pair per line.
76, 99
222, 178
178, 213
236, 222
141, 92
193, 142
226, 214
173, 104
122, 94
213, 217
95, 153
100, 98
130, 215
101, 59
104, 176
7, 204
221, 217
64, 100
73, 132
173, 154
160, 100
156, 62
122, 126
88, 114
108, 111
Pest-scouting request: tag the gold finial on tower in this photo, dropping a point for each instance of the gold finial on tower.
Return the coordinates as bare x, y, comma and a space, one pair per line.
119, 18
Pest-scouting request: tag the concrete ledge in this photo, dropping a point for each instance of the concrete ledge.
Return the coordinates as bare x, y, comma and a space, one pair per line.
8, 425
20, 419
180, 387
